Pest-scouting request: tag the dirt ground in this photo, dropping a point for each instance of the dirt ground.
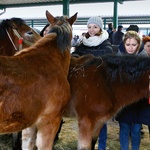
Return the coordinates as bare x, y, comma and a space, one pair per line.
68, 137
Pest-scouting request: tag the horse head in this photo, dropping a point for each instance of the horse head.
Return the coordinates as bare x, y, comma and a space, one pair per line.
19, 33
59, 24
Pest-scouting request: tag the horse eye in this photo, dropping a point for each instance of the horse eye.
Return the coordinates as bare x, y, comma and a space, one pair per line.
29, 32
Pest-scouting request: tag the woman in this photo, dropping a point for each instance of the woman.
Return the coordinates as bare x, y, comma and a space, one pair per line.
146, 50
45, 30
95, 42
128, 116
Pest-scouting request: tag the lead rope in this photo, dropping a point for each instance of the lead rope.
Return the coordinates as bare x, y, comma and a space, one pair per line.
20, 39
20, 43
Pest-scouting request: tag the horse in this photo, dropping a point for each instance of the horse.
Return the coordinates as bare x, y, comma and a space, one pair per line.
100, 87
34, 89
15, 35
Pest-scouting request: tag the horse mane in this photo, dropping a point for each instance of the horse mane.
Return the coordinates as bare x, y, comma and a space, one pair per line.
126, 67
7, 23
63, 33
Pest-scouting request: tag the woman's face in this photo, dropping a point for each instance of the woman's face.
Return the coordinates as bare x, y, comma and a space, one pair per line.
147, 47
131, 46
46, 31
93, 29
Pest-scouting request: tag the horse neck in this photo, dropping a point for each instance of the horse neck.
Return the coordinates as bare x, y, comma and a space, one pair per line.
47, 46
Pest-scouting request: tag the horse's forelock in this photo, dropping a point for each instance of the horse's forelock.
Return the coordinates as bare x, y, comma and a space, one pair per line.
7, 23
18, 21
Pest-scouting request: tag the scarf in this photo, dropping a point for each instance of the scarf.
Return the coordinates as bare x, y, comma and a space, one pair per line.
96, 40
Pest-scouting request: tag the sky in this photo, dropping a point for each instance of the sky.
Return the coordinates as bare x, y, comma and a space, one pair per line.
92, 9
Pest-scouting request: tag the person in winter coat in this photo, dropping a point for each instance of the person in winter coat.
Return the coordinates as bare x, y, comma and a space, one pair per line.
130, 28
130, 128
45, 30
146, 50
117, 36
95, 42
144, 113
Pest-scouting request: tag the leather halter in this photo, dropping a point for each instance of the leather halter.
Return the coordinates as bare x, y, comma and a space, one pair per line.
20, 41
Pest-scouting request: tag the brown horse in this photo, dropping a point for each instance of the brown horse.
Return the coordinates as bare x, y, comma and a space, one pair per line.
15, 35
102, 86
34, 90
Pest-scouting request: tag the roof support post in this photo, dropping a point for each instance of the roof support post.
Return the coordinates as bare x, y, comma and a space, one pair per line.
66, 7
115, 18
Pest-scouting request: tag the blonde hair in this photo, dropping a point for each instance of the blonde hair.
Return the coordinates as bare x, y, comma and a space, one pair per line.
132, 34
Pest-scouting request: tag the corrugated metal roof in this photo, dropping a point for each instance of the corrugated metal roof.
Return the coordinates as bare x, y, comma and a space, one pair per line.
23, 3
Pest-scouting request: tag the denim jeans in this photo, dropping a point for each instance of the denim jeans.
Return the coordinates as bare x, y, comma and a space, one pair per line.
127, 130
102, 139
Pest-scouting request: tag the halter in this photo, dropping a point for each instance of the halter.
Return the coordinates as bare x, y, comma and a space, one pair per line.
20, 41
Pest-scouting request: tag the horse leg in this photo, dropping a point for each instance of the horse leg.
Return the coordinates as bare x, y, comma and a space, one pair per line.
47, 130
17, 140
57, 135
29, 138
85, 138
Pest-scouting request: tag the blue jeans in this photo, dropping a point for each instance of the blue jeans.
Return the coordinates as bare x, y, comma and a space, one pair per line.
127, 130
102, 138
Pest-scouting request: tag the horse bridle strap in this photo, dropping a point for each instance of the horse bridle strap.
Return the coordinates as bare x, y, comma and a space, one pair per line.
24, 40
20, 40
11, 40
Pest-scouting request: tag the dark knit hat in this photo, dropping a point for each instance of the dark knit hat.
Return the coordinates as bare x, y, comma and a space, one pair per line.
120, 26
96, 20
133, 28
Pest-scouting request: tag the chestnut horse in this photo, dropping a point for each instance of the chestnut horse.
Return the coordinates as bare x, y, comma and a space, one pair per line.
15, 35
100, 87
34, 86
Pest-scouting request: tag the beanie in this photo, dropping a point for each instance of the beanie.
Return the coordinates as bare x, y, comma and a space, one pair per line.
96, 20
133, 28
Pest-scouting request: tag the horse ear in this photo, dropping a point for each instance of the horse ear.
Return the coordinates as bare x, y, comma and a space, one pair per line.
72, 19
50, 17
